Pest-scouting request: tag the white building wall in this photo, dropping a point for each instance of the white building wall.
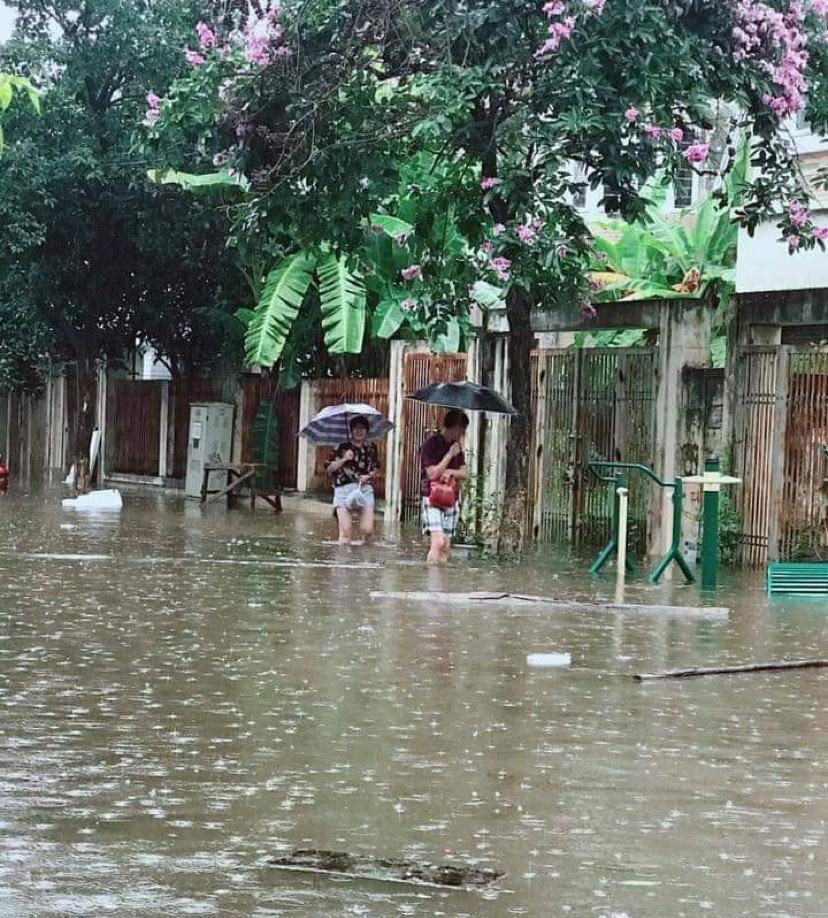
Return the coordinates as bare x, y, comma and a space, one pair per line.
763, 262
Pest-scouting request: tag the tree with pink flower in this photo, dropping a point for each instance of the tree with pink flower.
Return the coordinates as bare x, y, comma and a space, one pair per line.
508, 95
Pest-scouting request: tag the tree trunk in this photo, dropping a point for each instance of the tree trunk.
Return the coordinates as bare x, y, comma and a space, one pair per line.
84, 422
521, 341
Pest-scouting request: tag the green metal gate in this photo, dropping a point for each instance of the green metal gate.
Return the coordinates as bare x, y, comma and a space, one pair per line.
589, 403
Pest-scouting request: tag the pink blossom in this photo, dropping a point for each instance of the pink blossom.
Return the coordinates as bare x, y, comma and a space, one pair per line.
697, 153
206, 36
497, 229
561, 249
653, 131
595, 6
799, 213
588, 311
152, 112
255, 50
794, 242
820, 7
775, 41
676, 134
415, 272
631, 114
489, 182
408, 304
526, 234
553, 8
558, 31
487, 248
194, 58
821, 233
502, 267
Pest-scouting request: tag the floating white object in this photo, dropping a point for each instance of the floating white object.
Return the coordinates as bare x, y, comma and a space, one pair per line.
549, 659
95, 500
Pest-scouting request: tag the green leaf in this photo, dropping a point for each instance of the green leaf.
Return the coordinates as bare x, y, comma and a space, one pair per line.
265, 443
488, 295
187, 180
245, 316
388, 317
718, 351
392, 226
342, 300
449, 343
284, 291
5, 93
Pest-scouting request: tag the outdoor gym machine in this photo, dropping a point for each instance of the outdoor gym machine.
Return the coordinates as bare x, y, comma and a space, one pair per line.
618, 480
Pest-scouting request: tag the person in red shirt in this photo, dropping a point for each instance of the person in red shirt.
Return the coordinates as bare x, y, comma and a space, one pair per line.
442, 460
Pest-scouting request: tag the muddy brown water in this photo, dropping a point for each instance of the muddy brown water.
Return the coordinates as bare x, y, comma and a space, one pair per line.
184, 695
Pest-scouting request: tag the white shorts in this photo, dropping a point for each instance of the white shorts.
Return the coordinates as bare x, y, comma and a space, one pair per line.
343, 492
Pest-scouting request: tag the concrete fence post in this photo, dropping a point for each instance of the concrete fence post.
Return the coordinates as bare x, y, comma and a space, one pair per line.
396, 396
163, 429
305, 451
684, 341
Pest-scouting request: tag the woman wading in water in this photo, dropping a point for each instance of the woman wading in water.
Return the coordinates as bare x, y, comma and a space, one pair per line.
353, 466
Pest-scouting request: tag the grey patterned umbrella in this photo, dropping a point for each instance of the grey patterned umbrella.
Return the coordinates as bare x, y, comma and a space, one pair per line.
332, 425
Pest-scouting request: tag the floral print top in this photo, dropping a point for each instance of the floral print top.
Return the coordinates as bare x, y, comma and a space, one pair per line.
365, 461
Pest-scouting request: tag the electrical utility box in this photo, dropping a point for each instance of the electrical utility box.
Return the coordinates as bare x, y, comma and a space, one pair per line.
209, 440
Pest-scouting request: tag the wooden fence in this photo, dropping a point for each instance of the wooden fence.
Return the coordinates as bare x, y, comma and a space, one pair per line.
286, 407
590, 403
803, 530
334, 391
135, 419
419, 420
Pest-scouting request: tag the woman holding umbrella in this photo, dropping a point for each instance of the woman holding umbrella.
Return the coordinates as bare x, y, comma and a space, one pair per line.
354, 463
353, 466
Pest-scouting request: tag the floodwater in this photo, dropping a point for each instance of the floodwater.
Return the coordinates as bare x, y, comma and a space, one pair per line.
183, 695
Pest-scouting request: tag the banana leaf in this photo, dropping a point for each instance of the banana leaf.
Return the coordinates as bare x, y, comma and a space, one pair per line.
284, 291
342, 300
265, 446
224, 178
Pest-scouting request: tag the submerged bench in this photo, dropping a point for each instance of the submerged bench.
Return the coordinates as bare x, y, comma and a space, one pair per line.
797, 578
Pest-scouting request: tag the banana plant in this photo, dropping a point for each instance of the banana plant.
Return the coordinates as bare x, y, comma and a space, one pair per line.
672, 258
352, 287
666, 258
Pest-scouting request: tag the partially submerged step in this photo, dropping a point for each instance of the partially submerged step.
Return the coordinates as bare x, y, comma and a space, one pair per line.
392, 870
519, 599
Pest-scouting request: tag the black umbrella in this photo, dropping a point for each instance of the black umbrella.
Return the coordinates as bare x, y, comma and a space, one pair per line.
465, 395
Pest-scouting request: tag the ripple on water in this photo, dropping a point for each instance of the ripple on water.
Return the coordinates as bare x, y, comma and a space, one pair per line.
184, 694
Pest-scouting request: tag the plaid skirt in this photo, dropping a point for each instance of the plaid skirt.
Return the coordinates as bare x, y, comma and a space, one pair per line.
435, 519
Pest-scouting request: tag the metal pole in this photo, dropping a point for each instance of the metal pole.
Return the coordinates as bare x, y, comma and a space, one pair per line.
710, 530
621, 558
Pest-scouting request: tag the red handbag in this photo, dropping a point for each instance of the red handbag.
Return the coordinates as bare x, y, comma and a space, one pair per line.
442, 495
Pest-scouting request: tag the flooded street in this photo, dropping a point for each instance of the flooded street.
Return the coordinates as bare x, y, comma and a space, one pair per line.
184, 695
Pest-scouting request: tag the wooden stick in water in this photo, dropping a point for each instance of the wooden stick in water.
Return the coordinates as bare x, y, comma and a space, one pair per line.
724, 670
